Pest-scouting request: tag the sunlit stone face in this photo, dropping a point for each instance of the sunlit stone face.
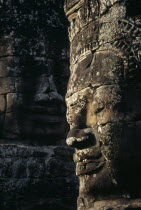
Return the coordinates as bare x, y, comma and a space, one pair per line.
104, 118
103, 100
33, 70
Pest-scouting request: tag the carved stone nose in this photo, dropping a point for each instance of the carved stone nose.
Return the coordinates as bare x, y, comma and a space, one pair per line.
46, 90
81, 138
48, 97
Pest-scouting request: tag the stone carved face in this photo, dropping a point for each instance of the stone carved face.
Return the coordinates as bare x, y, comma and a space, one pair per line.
103, 98
33, 70
105, 126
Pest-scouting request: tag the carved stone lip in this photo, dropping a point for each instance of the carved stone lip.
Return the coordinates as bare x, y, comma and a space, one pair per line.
89, 167
92, 153
88, 161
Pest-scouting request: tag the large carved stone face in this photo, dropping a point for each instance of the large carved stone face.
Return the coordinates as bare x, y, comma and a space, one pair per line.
105, 129
33, 70
103, 100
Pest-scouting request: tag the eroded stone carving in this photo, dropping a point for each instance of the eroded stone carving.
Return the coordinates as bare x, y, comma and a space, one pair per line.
33, 70
104, 100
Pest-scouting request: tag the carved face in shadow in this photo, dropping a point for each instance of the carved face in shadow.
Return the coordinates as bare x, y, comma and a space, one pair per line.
105, 125
33, 71
33, 98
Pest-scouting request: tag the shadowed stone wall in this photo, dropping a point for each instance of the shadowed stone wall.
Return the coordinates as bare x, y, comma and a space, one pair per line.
34, 177
36, 167
104, 101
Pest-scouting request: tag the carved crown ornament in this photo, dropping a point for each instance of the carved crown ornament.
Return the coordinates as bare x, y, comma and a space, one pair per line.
71, 6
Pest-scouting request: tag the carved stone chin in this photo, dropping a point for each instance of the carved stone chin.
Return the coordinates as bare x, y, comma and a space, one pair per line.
103, 101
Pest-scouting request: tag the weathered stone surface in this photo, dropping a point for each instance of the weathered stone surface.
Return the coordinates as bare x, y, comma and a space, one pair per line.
10, 84
103, 101
13, 100
6, 44
2, 115
33, 177
2, 103
9, 66
2, 112
119, 204
11, 129
34, 68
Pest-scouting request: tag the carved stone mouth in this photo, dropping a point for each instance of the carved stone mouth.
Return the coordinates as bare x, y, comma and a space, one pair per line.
91, 153
89, 167
88, 161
